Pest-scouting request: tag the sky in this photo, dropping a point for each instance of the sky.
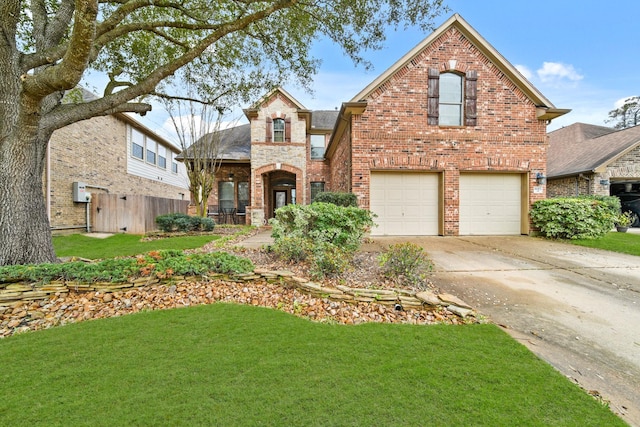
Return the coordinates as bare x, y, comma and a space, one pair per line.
581, 55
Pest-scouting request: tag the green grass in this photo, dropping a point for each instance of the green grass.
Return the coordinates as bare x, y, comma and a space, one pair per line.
122, 245
627, 243
236, 365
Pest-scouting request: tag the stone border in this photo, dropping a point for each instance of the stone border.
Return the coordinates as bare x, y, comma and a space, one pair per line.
13, 293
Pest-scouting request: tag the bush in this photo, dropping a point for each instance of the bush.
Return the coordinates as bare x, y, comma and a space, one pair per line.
339, 199
575, 217
406, 264
184, 223
324, 233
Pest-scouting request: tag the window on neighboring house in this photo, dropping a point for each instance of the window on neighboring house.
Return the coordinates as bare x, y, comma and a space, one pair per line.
162, 157
278, 130
316, 188
151, 151
174, 164
317, 146
137, 144
226, 196
452, 98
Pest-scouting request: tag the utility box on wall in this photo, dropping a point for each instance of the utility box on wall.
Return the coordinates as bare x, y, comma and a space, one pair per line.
80, 192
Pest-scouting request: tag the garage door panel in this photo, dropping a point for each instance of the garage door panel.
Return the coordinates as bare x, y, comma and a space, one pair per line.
490, 204
405, 203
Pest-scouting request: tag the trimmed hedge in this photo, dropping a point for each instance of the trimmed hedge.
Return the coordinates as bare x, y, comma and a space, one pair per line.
338, 199
588, 217
184, 223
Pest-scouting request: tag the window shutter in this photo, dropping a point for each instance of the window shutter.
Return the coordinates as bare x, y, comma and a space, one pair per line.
269, 130
433, 95
470, 98
287, 129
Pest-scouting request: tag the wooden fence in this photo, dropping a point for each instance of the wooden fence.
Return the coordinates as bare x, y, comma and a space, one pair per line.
117, 213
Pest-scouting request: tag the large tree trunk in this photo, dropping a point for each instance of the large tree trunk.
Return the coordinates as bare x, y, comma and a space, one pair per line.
25, 235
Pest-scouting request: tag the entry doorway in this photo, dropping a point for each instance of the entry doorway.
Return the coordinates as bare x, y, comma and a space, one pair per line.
283, 197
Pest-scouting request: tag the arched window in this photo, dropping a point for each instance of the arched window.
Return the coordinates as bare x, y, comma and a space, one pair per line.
278, 130
451, 99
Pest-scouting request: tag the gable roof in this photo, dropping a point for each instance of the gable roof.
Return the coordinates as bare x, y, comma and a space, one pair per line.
583, 148
546, 110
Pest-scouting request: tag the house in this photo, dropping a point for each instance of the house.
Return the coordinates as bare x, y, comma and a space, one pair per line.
450, 140
106, 155
588, 159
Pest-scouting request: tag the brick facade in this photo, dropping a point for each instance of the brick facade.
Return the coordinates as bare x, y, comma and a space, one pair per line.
393, 132
94, 151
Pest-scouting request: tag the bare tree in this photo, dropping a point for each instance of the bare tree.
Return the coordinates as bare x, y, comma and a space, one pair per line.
198, 127
628, 115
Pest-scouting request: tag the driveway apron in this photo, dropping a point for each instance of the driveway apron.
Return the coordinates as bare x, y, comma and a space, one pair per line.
577, 308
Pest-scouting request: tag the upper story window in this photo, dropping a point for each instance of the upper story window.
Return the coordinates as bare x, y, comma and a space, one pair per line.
151, 151
317, 146
137, 144
278, 130
174, 164
452, 98
162, 157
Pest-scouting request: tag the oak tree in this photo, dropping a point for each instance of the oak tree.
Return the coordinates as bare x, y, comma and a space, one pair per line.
47, 46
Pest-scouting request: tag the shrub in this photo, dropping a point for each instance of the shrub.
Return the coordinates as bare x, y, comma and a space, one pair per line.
339, 199
324, 233
575, 217
329, 261
183, 223
156, 263
406, 264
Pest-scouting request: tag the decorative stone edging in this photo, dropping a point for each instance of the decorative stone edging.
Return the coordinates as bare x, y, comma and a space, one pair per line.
400, 299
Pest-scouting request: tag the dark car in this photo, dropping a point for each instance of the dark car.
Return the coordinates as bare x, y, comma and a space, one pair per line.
630, 202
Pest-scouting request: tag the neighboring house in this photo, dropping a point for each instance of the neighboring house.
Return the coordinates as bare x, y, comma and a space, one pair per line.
451, 140
588, 159
110, 154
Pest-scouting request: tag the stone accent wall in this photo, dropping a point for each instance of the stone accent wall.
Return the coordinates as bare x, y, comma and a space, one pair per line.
393, 132
93, 151
274, 156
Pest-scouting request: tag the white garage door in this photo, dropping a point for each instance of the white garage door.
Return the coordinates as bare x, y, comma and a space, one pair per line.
406, 203
490, 204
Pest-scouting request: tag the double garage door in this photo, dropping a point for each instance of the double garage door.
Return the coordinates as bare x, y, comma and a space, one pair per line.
408, 204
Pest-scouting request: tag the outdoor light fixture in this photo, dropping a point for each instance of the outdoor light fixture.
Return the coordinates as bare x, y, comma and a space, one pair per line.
541, 179
604, 182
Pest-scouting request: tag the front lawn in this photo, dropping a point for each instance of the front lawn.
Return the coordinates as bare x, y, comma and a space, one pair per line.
233, 365
122, 245
627, 243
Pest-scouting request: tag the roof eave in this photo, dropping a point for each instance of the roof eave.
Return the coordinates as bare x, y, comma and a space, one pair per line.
346, 111
482, 45
543, 113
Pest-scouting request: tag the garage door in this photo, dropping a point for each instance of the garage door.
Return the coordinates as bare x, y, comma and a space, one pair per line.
406, 203
490, 204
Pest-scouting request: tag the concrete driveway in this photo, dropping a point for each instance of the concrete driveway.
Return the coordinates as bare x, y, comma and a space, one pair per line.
577, 308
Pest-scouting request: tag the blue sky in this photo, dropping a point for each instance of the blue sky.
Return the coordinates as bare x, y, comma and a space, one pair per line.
581, 55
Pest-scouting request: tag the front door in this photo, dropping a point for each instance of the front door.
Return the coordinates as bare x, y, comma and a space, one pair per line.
279, 199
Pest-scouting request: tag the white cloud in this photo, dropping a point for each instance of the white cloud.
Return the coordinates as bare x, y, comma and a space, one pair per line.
525, 71
557, 72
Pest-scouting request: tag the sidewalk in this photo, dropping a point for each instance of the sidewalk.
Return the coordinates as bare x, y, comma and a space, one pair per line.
257, 241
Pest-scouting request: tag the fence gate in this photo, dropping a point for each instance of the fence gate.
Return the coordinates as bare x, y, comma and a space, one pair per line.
124, 213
